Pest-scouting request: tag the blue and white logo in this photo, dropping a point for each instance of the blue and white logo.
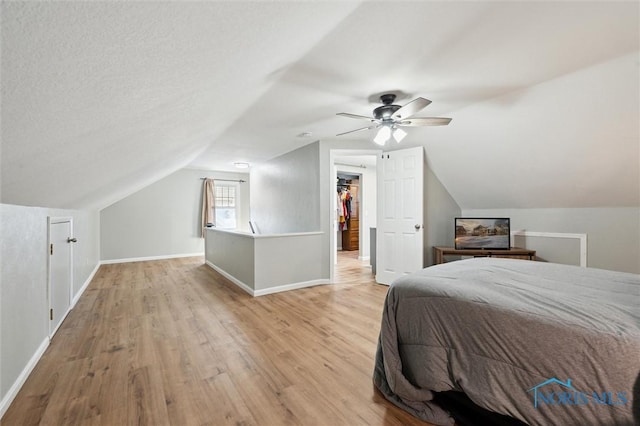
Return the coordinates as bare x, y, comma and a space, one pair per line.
568, 395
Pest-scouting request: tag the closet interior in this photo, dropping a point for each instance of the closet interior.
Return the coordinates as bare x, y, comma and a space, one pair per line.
348, 202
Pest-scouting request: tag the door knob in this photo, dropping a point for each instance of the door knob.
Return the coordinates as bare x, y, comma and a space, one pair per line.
417, 227
72, 240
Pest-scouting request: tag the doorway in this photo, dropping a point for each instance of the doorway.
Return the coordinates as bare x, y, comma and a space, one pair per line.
348, 211
354, 194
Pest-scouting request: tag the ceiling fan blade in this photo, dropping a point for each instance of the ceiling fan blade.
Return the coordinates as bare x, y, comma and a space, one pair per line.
411, 108
360, 129
346, 114
425, 121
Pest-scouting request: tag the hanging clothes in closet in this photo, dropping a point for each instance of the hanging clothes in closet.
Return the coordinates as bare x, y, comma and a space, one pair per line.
340, 211
347, 203
350, 228
343, 208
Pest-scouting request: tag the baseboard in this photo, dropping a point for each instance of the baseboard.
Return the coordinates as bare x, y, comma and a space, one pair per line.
363, 258
230, 277
15, 388
13, 391
292, 286
265, 291
84, 286
147, 258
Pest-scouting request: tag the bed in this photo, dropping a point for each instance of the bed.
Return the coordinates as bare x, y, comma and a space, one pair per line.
543, 343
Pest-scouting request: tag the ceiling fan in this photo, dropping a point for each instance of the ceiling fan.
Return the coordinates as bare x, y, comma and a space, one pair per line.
390, 117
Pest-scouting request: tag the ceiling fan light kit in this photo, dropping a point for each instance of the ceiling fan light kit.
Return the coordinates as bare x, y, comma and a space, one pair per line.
399, 134
390, 117
386, 132
383, 135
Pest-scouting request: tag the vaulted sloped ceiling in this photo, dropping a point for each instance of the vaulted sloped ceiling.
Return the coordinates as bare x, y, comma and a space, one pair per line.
569, 142
102, 98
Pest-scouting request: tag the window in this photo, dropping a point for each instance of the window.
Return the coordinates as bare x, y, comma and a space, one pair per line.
226, 206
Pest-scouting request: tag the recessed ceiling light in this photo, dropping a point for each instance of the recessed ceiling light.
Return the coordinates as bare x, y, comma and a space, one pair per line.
304, 135
240, 165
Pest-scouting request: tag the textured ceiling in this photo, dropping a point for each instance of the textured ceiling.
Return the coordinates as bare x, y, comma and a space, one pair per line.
102, 98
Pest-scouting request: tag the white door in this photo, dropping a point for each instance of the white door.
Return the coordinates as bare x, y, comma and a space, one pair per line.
60, 231
400, 214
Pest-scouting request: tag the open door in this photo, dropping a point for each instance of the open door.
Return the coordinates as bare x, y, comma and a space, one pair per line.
400, 230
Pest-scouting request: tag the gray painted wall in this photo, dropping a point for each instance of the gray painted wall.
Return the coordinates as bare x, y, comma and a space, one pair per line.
233, 253
285, 195
163, 219
613, 234
256, 262
23, 279
439, 210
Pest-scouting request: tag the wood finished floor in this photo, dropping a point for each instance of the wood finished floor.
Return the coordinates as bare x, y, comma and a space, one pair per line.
173, 343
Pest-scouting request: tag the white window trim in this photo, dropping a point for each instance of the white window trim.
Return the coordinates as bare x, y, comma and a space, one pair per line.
235, 185
581, 237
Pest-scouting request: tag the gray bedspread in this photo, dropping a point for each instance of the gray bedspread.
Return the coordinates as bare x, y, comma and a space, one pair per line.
544, 343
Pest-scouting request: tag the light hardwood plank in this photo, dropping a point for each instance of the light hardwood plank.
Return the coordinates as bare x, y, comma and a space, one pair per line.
174, 343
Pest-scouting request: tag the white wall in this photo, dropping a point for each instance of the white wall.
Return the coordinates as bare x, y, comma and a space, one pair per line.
613, 234
285, 195
24, 324
163, 219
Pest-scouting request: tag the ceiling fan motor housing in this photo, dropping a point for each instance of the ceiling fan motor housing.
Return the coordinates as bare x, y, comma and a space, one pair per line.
385, 111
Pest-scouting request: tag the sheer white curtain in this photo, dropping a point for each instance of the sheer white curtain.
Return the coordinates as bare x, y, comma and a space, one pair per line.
208, 204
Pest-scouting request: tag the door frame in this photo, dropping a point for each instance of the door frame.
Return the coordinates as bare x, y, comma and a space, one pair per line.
333, 172
52, 220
